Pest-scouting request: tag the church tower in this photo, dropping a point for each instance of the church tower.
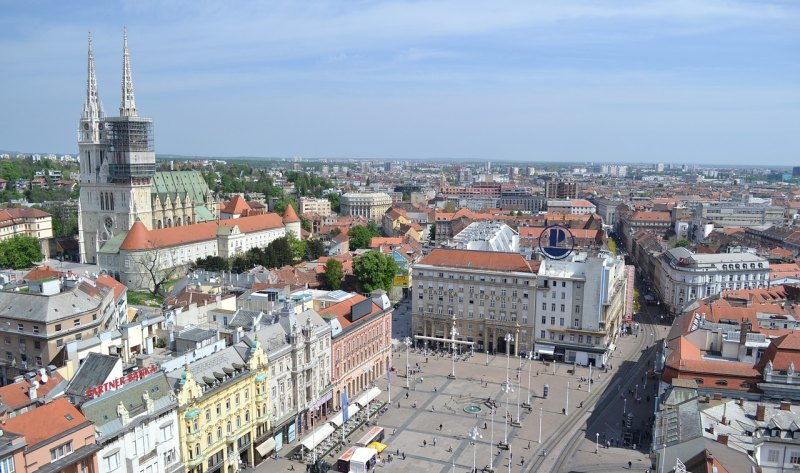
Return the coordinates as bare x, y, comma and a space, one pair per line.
117, 161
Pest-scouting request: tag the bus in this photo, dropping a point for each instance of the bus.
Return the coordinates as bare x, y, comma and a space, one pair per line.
343, 464
375, 434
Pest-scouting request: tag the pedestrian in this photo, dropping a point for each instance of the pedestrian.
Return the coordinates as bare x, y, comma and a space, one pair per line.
406, 395
404, 455
434, 389
434, 441
529, 444
510, 455
424, 443
484, 426
522, 461
630, 465
426, 359
398, 452
440, 426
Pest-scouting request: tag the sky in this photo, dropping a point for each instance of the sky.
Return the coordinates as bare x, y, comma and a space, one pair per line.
685, 81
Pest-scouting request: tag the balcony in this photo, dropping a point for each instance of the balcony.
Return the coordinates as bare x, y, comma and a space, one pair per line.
196, 461
230, 438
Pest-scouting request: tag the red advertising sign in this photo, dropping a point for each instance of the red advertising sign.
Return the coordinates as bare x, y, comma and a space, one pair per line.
119, 382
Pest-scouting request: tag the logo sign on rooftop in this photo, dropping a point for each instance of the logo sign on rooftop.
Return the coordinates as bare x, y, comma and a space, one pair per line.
556, 242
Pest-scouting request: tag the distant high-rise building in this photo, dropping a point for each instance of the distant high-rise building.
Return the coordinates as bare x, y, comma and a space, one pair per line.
561, 190
796, 171
660, 167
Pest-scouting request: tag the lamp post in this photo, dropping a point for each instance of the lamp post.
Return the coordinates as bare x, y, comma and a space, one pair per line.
508, 338
596, 442
407, 341
474, 435
507, 389
590, 379
453, 333
519, 388
624, 405
566, 404
491, 444
366, 370
663, 455
528, 404
541, 415
313, 436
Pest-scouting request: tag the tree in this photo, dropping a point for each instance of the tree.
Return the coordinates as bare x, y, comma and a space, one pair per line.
375, 270
637, 305
432, 232
333, 274
314, 249
612, 245
156, 266
450, 206
335, 201
360, 237
683, 242
20, 252
212, 263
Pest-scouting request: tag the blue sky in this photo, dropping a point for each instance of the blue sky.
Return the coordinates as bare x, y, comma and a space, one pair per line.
702, 81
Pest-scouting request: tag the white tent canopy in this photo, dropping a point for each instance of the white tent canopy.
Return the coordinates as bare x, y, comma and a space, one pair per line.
368, 396
545, 349
317, 437
337, 420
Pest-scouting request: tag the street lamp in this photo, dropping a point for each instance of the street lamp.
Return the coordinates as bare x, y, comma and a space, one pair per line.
507, 389
530, 357
566, 404
453, 333
491, 443
407, 341
508, 338
474, 435
596, 442
541, 416
624, 405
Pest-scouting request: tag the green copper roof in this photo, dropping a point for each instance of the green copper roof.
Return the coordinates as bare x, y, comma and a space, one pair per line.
203, 214
112, 246
180, 183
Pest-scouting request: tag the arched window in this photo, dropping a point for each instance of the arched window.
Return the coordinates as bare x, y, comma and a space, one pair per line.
219, 433
159, 224
197, 449
230, 427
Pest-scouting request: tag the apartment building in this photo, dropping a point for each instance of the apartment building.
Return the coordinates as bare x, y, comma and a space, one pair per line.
484, 295
580, 307
684, 276
28, 222
321, 207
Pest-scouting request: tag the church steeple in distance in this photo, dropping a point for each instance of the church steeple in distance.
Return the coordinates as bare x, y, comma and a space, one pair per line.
127, 108
92, 108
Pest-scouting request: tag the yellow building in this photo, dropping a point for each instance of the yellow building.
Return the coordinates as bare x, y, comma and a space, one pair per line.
223, 409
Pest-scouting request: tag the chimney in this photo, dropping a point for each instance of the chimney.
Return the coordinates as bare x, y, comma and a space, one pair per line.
32, 390
723, 439
740, 401
761, 411
743, 331
786, 405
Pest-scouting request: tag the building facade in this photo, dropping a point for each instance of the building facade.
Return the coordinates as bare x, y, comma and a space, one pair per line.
361, 343
369, 205
223, 404
483, 295
27, 222
730, 214
571, 206
320, 207
137, 427
684, 276
580, 307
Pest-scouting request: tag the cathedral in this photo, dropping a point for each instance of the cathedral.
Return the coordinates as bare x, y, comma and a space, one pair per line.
118, 179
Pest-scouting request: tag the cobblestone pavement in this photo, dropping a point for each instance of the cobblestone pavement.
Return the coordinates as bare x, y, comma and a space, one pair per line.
434, 399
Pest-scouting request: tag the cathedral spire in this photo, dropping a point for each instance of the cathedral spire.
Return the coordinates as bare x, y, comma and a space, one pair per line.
127, 108
92, 108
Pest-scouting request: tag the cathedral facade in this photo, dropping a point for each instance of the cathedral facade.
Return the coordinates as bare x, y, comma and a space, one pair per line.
118, 178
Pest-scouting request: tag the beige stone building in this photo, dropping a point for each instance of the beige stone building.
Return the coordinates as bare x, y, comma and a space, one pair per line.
486, 295
369, 205
321, 207
27, 222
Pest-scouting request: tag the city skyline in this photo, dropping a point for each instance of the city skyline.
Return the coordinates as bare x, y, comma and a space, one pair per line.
706, 82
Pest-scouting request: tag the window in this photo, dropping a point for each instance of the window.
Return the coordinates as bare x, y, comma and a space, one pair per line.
60, 451
20, 327
553, 307
772, 455
577, 323
563, 308
110, 462
721, 382
60, 342
544, 320
167, 431
544, 305
561, 321
577, 309
794, 457
552, 320
35, 329
563, 283
541, 334
77, 322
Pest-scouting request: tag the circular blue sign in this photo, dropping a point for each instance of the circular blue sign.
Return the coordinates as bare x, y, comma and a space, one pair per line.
556, 242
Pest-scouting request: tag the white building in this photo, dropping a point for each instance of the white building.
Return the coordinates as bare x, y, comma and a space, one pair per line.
571, 206
137, 426
320, 207
364, 204
580, 307
487, 236
684, 276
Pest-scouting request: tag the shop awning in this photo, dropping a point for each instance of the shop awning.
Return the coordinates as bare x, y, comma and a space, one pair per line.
378, 446
317, 437
545, 349
351, 411
368, 396
266, 447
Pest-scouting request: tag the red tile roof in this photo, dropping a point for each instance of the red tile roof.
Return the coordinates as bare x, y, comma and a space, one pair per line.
15, 395
42, 273
112, 283
236, 206
650, 217
46, 421
489, 260
343, 310
289, 215
140, 238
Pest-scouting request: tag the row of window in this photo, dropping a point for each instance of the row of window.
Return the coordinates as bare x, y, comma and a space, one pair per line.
543, 334
576, 323
525, 282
